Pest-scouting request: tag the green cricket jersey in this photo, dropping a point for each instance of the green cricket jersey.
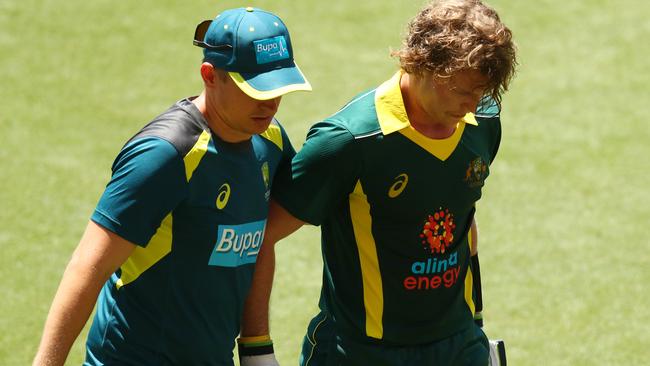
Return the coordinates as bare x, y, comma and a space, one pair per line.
395, 209
196, 206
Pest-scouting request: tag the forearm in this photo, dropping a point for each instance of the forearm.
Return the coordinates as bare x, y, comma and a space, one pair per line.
98, 255
71, 307
255, 321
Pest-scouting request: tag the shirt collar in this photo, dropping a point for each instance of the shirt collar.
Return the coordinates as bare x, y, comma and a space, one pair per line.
391, 112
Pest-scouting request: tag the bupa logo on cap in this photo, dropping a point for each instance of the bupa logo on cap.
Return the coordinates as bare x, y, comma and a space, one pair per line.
271, 50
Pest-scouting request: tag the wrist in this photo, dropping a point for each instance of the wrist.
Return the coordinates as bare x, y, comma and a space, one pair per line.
256, 351
254, 346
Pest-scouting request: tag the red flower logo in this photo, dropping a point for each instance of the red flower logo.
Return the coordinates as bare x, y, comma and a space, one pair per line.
438, 232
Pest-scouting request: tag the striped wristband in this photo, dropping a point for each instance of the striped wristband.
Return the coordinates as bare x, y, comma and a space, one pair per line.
255, 346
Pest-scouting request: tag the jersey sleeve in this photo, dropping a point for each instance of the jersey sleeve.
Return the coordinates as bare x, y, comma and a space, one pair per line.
320, 176
147, 183
288, 152
489, 112
497, 139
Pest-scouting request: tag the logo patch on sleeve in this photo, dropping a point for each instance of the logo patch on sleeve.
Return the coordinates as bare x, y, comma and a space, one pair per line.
237, 244
271, 50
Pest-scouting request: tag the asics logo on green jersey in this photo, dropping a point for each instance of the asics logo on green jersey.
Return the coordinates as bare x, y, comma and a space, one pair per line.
223, 195
398, 187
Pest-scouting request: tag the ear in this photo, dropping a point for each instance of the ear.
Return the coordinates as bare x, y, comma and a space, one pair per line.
208, 74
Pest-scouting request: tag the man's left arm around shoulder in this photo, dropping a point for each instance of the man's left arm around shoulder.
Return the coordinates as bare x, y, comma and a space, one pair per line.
255, 345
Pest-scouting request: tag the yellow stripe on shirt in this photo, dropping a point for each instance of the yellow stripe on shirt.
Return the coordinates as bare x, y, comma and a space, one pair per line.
469, 280
373, 295
143, 258
194, 156
160, 244
273, 134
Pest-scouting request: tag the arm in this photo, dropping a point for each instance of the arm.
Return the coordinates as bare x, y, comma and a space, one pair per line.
476, 273
473, 230
280, 224
99, 253
310, 187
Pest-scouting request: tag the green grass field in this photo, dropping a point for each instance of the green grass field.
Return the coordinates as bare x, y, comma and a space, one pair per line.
564, 217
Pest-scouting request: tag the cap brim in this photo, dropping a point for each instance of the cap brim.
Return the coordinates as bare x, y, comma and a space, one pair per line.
271, 84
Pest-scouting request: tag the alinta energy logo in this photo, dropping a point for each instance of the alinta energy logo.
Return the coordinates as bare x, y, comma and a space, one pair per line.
476, 172
440, 268
438, 231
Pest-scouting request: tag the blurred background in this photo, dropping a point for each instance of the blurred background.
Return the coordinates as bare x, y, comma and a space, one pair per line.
564, 216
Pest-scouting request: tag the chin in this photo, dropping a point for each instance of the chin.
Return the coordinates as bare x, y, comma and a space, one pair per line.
260, 127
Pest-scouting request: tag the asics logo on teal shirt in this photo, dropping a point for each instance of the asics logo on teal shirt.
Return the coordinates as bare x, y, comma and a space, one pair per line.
237, 244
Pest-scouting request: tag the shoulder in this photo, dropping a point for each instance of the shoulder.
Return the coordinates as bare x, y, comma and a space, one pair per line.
182, 126
276, 134
488, 108
148, 155
358, 117
488, 115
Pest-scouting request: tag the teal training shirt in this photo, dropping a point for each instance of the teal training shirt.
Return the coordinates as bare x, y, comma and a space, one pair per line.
395, 208
196, 206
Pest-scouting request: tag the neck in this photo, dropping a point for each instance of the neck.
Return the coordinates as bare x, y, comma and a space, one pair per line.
216, 123
435, 132
420, 120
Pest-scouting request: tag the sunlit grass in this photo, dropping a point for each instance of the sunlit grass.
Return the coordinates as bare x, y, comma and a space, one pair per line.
565, 212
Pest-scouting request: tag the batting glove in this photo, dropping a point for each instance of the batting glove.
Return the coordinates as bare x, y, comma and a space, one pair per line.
497, 353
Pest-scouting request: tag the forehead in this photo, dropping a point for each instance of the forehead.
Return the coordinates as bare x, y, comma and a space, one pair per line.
469, 79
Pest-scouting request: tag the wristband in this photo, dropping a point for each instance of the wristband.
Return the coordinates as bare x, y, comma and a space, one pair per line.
256, 351
254, 346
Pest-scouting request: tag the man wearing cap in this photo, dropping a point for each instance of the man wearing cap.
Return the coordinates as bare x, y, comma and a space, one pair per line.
392, 179
169, 251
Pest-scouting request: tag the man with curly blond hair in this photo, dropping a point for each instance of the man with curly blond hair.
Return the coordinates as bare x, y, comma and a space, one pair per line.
393, 178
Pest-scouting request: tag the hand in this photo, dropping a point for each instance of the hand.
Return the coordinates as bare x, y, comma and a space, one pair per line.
256, 351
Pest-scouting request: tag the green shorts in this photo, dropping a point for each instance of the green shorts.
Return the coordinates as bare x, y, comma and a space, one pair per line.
323, 347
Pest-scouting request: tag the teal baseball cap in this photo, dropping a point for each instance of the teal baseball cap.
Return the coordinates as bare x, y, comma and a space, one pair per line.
254, 46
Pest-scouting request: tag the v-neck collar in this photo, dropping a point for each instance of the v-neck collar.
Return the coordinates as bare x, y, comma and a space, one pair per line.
392, 117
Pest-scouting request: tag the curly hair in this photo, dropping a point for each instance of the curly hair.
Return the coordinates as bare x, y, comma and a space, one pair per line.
448, 36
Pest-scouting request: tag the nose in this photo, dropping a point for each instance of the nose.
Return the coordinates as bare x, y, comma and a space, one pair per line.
471, 103
271, 104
